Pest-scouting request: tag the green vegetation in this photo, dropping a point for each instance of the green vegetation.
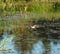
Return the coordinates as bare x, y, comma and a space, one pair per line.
43, 10
9, 7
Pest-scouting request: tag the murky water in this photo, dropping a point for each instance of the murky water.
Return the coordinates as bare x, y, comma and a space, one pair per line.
32, 42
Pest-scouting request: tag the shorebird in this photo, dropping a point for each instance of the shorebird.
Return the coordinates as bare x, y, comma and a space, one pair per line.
35, 26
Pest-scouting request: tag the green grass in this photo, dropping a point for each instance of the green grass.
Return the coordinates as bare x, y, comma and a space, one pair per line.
12, 7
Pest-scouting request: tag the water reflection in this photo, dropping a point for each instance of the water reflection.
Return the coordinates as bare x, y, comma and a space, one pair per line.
46, 44
28, 44
38, 48
55, 48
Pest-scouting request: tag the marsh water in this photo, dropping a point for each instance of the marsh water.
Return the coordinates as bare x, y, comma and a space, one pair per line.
32, 43
33, 46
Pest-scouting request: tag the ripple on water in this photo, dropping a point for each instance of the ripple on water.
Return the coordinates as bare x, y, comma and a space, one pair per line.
38, 47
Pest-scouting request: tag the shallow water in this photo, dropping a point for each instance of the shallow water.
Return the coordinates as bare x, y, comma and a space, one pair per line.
32, 43
8, 46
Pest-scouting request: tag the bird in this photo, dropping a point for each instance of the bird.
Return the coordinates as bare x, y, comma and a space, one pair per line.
34, 26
